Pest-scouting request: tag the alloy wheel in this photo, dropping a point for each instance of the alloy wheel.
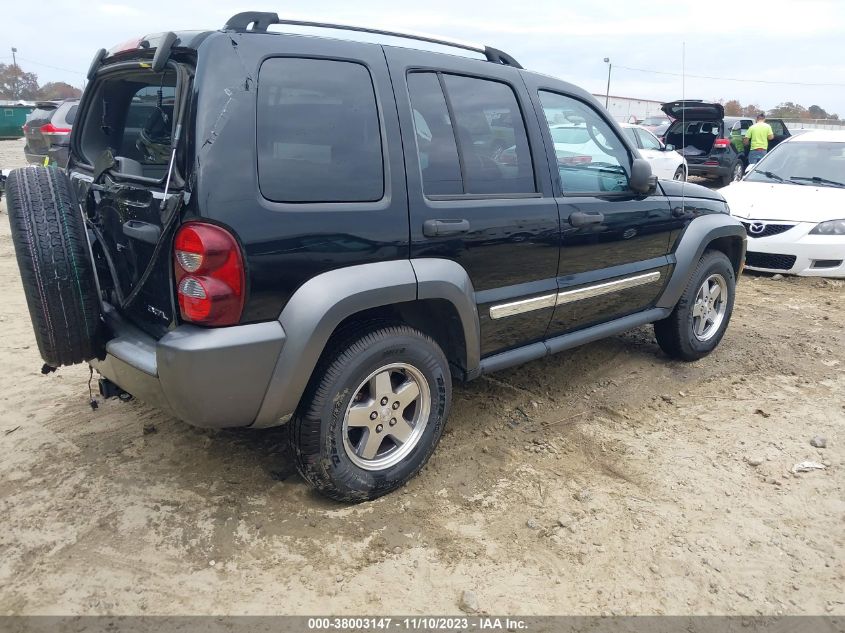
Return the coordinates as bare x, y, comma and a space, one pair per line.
386, 417
709, 308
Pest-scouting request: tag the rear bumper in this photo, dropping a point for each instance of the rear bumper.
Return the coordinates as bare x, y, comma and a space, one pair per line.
708, 171
211, 378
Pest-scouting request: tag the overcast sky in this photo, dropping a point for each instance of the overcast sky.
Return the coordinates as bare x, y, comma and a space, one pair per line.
775, 41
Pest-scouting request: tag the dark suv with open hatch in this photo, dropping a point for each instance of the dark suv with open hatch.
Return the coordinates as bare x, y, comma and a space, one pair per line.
328, 233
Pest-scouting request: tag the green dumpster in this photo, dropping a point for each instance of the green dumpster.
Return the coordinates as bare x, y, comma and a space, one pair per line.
12, 119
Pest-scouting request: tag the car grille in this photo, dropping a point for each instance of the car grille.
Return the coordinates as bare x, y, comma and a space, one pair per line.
768, 229
769, 260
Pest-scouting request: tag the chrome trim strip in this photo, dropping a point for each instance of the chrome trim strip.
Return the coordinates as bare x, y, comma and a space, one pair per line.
602, 289
524, 305
569, 296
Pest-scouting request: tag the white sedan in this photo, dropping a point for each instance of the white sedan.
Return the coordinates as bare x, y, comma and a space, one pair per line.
666, 163
792, 204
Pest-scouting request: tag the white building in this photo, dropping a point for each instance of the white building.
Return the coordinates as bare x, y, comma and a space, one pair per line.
624, 108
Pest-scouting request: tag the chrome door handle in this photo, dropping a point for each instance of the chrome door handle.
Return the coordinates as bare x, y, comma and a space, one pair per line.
438, 228
579, 218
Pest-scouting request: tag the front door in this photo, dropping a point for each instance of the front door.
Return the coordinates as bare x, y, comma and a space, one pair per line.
614, 241
479, 189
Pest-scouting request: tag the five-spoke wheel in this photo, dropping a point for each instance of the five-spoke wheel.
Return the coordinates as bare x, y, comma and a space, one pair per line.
386, 417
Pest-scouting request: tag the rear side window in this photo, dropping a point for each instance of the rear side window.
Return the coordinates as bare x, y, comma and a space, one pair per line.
491, 135
471, 139
438, 153
318, 132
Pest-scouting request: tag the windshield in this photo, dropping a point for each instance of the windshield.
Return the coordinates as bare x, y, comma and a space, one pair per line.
802, 163
655, 120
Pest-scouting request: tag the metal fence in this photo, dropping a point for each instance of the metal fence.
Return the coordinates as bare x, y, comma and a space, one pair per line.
814, 124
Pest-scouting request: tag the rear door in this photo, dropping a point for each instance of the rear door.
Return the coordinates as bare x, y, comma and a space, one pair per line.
614, 241
479, 190
780, 131
126, 200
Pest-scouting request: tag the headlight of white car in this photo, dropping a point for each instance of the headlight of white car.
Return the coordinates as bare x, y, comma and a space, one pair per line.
831, 227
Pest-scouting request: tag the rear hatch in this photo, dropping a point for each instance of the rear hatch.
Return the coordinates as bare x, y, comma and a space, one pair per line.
128, 170
36, 143
694, 109
697, 131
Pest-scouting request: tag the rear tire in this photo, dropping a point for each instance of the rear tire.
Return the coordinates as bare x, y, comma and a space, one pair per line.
680, 174
360, 432
736, 173
55, 264
697, 324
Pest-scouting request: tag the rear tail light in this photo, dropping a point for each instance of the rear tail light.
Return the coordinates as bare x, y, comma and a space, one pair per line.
209, 269
52, 129
721, 143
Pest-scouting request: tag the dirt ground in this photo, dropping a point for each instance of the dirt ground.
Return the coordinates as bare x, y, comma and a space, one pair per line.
608, 479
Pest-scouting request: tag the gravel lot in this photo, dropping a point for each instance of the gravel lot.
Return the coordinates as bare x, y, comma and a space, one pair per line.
604, 480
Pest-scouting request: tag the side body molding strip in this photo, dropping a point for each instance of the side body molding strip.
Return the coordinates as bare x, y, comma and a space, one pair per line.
568, 296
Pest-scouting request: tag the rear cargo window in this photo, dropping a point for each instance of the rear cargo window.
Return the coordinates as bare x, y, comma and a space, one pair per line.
318, 132
133, 116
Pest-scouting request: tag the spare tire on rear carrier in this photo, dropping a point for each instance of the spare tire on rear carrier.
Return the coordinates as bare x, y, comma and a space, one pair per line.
52, 250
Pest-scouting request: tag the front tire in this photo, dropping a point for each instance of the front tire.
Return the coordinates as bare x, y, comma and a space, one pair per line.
373, 414
699, 321
680, 174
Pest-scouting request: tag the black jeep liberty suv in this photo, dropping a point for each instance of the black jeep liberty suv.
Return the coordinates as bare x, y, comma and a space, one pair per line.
260, 228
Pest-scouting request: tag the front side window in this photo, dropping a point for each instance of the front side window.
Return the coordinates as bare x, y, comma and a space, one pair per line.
318, 132
591, 158
471, 139
648, 140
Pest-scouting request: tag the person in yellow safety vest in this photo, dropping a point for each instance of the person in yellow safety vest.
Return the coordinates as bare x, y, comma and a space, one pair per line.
757, 139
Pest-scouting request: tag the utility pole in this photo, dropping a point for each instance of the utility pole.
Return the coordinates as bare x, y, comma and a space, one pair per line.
607, 94
14, 74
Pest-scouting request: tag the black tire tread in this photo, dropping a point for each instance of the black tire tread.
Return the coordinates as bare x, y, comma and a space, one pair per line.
305, 436
55, 265
672, 333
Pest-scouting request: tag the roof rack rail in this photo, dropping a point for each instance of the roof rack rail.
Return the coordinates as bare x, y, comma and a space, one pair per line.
258, 21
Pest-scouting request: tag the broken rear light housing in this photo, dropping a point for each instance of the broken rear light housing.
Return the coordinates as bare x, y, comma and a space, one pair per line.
210, 277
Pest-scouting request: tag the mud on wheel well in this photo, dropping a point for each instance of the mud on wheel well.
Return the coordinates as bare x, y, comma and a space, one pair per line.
436, 318
730, 245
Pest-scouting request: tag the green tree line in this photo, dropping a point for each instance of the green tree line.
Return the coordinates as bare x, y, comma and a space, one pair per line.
16, 84
785, 110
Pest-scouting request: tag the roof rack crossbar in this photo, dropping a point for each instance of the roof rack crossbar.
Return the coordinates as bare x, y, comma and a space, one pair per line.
258, 21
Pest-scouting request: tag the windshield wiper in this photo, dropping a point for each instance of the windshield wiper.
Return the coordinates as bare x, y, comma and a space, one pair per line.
769, 174
821, 181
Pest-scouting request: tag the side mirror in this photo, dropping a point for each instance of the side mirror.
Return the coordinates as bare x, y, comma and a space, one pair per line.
641, 179
669, 148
